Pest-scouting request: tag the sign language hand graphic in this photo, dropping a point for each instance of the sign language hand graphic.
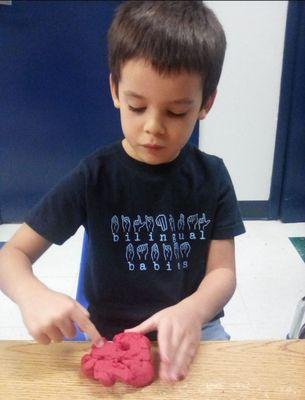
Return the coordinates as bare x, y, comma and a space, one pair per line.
185, 249
181, 222
155, 254
126, 223
203, 222
150, 223
172, 222
115, 224
142, 250
192, 221
129, 252
138, 224
162, 222
167, 252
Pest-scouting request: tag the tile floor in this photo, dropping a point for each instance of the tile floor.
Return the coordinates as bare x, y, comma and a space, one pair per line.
270, 272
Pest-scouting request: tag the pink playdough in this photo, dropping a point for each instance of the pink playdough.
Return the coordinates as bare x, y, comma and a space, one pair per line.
126, 359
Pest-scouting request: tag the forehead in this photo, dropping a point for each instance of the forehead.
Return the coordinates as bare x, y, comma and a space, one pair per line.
140, 80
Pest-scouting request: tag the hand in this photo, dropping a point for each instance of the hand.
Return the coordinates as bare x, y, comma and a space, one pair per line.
49, 315
179, 333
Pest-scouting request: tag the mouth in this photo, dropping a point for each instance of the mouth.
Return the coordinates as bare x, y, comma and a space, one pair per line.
152, 146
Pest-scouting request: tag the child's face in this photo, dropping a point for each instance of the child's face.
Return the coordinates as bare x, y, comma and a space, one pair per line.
158, 113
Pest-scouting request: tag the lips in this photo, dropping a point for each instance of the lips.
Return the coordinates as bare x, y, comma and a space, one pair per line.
152, 146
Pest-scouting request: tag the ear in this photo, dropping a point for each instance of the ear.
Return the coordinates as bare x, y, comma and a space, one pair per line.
208, 105
114, 96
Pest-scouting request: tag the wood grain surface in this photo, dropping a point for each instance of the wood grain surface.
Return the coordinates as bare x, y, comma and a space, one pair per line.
247, 370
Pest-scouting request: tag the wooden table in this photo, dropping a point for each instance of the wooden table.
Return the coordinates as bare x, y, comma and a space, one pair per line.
250, 370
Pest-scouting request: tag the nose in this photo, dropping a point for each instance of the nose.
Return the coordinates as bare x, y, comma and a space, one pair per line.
154, 125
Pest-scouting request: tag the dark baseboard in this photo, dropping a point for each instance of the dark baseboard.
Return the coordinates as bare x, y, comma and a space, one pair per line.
255, 210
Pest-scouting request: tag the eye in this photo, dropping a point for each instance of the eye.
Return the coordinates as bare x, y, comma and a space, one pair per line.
174, 115
136, 110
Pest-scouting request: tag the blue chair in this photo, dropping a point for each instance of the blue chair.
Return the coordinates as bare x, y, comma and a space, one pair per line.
80, 295
297, 330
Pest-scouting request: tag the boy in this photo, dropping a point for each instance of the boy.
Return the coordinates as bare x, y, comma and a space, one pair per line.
161, 216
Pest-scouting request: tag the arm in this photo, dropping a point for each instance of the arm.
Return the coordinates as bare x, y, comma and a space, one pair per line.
16, 259
219, 283
179, 326
48, 315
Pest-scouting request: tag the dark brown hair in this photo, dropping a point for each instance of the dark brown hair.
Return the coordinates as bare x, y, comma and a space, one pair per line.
173, 36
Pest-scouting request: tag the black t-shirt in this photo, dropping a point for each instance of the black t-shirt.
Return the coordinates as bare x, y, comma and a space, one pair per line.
149, 228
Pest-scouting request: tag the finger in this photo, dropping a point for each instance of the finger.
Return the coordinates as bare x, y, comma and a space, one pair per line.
183, 358
88, 328
165, 343
166, 355
68, 329
82, 308
84, 323
54, 334
147, 326
163, 373
42, 338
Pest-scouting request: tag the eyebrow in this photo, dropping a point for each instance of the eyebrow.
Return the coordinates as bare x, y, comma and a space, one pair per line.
185, 100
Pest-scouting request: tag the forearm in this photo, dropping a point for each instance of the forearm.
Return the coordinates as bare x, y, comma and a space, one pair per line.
17, 280
212, 295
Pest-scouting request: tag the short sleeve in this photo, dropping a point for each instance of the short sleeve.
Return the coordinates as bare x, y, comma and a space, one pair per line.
227, 221
61, 211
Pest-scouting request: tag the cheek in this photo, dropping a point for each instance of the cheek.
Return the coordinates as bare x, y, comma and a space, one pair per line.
183, 128
129, 124
191, 122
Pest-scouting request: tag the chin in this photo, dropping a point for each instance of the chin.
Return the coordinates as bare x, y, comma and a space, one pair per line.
156, 161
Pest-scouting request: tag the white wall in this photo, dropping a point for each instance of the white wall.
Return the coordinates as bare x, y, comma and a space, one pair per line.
241, 126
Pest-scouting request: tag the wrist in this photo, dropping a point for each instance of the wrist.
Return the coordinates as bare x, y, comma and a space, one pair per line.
193, 308
201, 307
212, 295
29, 291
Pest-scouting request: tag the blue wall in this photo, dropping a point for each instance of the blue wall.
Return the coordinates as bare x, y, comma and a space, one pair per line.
287, 200
55, 104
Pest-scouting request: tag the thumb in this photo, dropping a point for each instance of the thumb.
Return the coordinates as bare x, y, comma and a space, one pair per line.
146, 326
